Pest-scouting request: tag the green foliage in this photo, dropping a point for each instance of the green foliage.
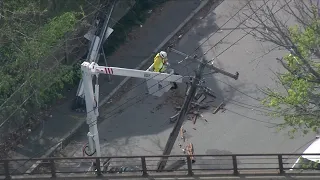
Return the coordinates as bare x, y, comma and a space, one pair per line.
45, 38
299, 104
29, 66
309, 164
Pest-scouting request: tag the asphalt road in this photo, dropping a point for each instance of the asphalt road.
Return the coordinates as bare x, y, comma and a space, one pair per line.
142, 128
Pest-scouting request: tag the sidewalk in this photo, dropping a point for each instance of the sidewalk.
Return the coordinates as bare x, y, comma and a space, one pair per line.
62, 122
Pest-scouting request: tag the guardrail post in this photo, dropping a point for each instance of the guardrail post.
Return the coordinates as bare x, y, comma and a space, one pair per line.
98, 167
6, 169
235, 165
144, 166
189, 163
53, 168
281, 171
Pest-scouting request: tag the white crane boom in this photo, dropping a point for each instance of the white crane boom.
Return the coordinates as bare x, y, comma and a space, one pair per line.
132, 73
157, 83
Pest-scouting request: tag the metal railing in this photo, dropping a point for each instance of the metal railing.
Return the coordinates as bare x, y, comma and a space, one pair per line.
137, 166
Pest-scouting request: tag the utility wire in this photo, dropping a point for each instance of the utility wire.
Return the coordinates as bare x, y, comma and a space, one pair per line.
216, 57
226, 109
247, 33
186, 65
34, 91
143, 82
169, 84
29, 159
142, 99
250, 117
7, 119
244, 104
238, 90
163, 87
232, 17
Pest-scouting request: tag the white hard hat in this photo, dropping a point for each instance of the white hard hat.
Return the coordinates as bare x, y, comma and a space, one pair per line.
163, 54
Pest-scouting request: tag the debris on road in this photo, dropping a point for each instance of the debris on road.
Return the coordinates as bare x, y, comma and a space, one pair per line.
195, 119
219, 107
182, 131
201, 98
174, 118
190, 151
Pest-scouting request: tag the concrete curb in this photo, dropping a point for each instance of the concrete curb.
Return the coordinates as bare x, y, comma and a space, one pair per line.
106, 99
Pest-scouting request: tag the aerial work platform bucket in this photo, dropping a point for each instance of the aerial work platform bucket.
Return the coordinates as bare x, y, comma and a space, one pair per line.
159, 87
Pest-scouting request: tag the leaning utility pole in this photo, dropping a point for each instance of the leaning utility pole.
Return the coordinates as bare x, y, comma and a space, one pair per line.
191, 92
175, 132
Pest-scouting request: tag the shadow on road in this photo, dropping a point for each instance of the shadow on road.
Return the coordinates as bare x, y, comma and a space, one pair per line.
139, 123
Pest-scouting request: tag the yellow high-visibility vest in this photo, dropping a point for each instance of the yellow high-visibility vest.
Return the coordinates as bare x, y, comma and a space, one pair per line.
158, 63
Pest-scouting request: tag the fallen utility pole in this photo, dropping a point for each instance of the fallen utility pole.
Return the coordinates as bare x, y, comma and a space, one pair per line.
175, 132
191, 93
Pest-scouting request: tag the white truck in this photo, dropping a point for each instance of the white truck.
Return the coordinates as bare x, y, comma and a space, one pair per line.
309, 161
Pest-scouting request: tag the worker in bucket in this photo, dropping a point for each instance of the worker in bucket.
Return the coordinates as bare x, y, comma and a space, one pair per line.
160, 64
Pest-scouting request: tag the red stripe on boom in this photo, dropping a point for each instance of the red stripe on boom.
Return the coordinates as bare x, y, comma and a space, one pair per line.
108, 70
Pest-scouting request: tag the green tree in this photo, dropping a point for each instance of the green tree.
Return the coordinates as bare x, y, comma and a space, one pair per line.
32, 71
298, 102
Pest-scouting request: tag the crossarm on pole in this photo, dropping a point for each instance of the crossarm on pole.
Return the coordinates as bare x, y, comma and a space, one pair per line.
210, 66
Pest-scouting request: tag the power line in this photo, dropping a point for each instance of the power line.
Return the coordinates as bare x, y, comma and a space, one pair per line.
243, 115
239, 90
186, 65
250, 117
232, 17
165, 86
216, 57
29, 159
139, 95
258, 108
238, 41
140, 100
34, 92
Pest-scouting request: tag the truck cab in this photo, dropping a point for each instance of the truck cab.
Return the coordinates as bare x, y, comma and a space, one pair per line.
310, 162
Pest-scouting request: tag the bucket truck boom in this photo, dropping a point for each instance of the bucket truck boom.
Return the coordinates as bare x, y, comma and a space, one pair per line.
157, 83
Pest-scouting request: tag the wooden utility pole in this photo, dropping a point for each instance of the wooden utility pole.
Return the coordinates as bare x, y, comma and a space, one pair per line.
183, 112
188, 100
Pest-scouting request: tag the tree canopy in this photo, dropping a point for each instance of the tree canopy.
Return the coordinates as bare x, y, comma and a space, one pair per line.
33, 72
298, 102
